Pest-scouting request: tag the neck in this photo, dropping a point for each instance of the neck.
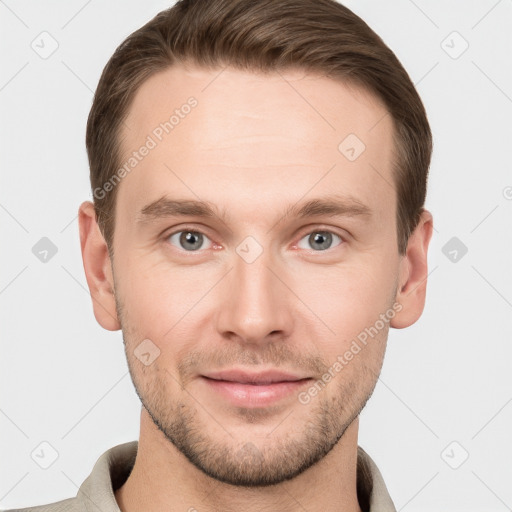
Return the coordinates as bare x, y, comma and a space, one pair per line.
163, 479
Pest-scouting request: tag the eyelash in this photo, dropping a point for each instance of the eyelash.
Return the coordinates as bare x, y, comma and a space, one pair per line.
294, 246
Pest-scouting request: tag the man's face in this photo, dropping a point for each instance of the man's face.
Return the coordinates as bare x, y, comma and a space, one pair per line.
260, 285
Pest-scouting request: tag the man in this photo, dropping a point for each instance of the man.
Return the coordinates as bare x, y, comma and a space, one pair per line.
259, 174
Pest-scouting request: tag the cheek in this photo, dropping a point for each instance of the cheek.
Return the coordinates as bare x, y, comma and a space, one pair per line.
347, 299
159, 300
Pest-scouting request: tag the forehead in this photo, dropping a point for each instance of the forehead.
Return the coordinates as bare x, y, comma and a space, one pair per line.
225, 133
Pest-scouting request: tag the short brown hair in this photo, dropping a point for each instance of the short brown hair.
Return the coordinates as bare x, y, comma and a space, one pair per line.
320, 36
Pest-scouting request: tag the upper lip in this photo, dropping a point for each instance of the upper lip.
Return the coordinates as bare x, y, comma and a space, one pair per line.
247, 377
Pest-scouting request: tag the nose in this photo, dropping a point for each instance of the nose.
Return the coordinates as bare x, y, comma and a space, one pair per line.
254, 306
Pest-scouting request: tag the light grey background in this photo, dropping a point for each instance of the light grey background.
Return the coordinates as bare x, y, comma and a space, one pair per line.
447, 379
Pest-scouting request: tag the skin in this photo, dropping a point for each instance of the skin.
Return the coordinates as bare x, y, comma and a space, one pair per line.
253, 146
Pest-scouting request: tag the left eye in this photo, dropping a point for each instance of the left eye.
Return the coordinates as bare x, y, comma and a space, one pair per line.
319, 240
189, 240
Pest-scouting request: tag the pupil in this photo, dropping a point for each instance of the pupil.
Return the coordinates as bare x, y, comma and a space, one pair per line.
190, 240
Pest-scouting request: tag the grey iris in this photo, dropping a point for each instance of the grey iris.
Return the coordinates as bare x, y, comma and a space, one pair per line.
191, 240
320, 240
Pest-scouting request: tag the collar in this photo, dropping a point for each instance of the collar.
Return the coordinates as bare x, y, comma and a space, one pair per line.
115, 465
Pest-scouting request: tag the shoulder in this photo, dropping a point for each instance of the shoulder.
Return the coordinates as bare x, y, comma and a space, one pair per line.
68, 505
97, 491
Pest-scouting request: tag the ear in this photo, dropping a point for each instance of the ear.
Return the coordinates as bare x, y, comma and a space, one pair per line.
98, 269
412, 285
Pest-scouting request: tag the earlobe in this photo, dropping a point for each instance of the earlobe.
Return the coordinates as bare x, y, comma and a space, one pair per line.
412, 284
97, 266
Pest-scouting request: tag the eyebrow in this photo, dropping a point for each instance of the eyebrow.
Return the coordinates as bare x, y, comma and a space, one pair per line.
332, 205
165, 207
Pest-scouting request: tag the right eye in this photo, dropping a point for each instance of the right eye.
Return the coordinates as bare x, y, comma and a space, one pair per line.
188, 240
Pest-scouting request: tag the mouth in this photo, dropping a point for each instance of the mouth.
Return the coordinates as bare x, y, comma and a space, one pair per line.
247, 389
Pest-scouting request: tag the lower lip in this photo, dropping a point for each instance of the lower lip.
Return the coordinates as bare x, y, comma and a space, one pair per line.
253, 395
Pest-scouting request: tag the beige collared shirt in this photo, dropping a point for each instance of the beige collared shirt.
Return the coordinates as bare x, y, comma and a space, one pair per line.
113, 467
